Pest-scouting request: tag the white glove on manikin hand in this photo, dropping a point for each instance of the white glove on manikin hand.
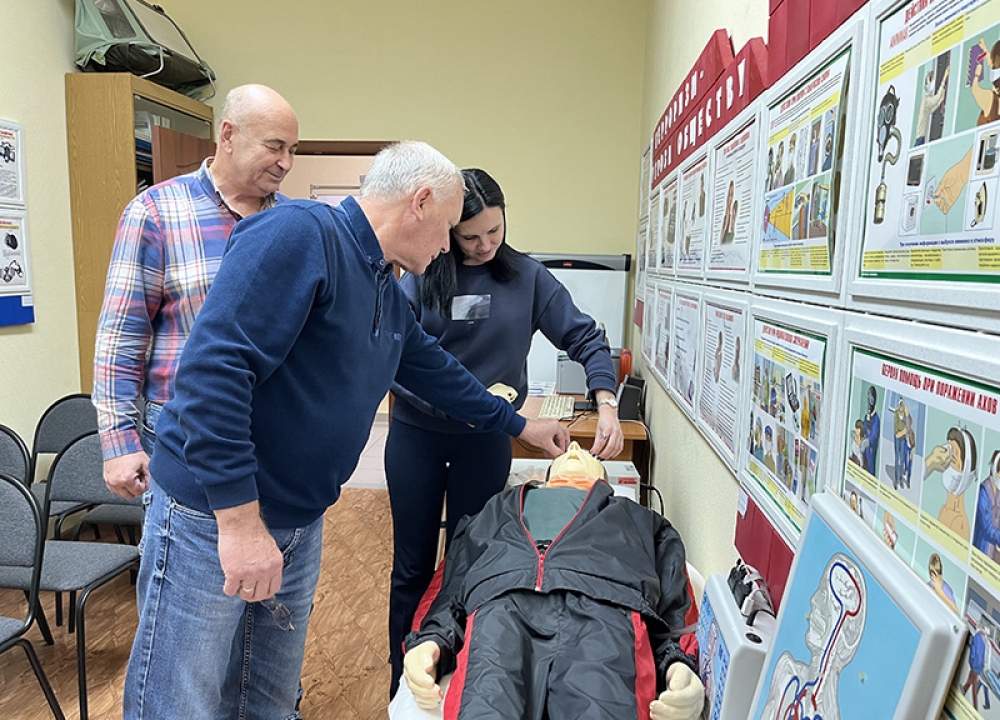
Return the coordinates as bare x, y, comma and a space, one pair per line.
419, 666
684, 697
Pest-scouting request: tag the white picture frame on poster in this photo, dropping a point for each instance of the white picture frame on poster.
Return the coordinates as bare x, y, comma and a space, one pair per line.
669, 224
721, 410
649, 322
907, 286
683, 380
945, 385
695, 201
738, 161
642, 256
11, 164
15, 252
794, 361
806, 253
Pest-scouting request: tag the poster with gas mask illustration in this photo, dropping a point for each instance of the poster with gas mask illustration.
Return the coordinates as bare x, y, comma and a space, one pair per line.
14, 276
931, 204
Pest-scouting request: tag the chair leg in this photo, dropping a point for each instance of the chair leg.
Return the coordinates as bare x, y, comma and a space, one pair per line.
132, 540
29, 650
59, 610
118, 534
43, 625
71, 612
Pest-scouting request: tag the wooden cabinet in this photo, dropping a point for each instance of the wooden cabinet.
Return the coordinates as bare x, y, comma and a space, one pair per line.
106, 171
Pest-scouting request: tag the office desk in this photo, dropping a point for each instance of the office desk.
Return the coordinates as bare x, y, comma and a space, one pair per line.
583, 430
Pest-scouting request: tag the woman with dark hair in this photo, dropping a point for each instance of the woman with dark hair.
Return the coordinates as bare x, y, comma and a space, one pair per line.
483, 301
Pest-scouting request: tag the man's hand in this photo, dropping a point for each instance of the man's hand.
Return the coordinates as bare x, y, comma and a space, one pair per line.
419, 666
684, 697
609, 441
953, 183
127, 475
250, 558
551, 436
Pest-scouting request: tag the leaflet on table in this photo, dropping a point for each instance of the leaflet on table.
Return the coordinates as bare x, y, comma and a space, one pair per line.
930, 210
733, 191
922, 468
803, 154
719, 400
685, 339
786, 415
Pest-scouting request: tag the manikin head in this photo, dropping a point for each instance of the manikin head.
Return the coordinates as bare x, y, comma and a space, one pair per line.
575, 467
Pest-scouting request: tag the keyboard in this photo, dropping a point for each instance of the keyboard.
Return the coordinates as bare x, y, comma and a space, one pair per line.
557, 407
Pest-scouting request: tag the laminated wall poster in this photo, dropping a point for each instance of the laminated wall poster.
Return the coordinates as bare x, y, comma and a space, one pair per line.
734, 194
921, 466
933, 170
928, 220
694, 218
792, 375
685, 341
798, 223
661, 360
719, 402
670, 223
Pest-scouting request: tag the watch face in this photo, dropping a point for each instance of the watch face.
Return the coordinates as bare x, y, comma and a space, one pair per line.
609, 401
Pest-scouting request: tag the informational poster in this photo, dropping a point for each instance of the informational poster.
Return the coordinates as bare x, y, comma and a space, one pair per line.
930, 209
14, 276
686, 341
694, 220
661, 360
649, 325
719, 399
922, 468
642, 255
804, 151
644, 176
11, 164
669, 223
787, 415
733, 189
654, 231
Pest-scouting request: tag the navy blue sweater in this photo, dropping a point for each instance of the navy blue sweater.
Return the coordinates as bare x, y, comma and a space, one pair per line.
491, 329
297, 343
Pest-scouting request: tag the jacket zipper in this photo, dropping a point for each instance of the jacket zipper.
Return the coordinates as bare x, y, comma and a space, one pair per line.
541, 555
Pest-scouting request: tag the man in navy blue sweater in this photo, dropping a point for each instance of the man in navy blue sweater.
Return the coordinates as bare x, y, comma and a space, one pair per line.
297, 343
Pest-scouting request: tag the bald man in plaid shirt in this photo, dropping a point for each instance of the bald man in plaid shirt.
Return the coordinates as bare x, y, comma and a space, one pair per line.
168, 248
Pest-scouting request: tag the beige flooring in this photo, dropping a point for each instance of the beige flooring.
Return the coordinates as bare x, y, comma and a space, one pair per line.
345, 674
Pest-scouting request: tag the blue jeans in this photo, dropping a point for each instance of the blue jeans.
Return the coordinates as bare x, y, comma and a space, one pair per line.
199, 654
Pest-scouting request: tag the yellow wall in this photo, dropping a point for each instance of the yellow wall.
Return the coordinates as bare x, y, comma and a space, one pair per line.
543, 95
38, 362
699, 492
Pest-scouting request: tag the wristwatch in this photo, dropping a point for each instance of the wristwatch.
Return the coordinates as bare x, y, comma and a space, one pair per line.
613, 402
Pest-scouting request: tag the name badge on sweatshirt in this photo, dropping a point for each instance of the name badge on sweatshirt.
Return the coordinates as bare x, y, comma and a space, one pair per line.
470, 307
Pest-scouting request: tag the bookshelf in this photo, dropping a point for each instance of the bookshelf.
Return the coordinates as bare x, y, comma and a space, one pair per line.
107, 168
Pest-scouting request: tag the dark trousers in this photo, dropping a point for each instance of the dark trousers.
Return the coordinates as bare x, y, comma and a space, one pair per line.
423, 467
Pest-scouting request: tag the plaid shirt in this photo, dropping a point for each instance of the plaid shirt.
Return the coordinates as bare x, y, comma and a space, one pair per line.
168, 248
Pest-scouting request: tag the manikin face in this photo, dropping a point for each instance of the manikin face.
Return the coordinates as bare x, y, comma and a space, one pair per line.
576, 462
480, 236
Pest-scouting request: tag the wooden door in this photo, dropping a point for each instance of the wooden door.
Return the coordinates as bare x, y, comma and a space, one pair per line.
176, 153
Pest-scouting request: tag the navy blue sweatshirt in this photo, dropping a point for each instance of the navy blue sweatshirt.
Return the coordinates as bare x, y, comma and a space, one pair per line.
490, 333
297, 343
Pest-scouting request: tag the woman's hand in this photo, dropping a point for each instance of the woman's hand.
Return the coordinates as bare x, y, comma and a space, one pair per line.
608, 441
